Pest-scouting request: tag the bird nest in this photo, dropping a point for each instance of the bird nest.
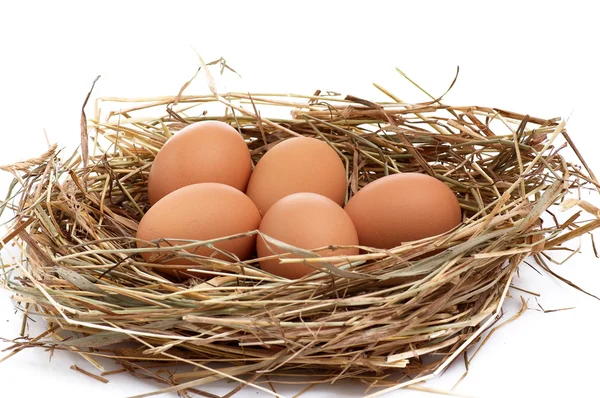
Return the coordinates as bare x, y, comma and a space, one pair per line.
408, 311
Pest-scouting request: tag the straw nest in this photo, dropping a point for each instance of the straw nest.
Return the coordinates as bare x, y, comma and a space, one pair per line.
76, 217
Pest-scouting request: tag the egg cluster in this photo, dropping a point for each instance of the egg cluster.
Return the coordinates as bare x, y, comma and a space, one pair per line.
202, 187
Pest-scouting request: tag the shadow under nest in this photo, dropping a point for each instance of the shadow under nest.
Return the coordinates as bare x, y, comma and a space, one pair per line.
410, 310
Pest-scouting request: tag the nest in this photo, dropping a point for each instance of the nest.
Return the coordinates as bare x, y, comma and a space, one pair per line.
76, 219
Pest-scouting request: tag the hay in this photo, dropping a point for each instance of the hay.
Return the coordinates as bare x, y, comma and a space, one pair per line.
75, 220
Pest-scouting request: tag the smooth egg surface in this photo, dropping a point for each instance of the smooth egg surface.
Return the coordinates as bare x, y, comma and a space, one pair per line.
202, 212
403, 207
297, 165
208, 151
306, 221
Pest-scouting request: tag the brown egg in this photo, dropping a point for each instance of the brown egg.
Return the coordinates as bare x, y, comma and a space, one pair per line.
297, 165
402, 207
306, 221
209, 151
201, 212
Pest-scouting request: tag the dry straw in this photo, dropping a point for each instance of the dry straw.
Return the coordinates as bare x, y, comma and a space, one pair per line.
76, 217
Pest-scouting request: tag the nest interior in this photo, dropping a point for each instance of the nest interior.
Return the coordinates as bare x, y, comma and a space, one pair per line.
76, 217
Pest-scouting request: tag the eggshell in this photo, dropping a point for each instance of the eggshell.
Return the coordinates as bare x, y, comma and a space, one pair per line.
297, 165
201, 212
402, 207
208, 151
306, 221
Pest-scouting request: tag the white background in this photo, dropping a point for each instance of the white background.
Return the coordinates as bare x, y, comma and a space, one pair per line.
538, 58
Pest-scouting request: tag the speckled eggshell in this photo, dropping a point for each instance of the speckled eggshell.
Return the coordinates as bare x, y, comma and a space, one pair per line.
208, 151
295, 165
402, 207
200, 212
306, 221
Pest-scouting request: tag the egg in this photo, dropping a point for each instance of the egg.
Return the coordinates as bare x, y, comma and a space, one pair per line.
208, 151
306, 221
201, 212
297, 165
402, 207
